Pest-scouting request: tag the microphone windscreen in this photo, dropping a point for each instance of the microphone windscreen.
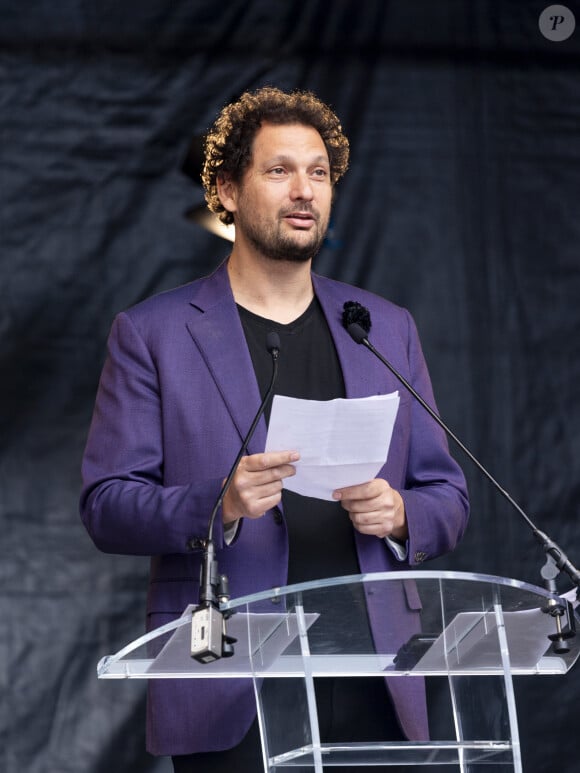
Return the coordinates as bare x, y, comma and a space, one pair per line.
356, 332
273, 342
356, 313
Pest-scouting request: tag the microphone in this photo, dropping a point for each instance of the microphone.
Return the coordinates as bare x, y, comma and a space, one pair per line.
357, 321
209, 640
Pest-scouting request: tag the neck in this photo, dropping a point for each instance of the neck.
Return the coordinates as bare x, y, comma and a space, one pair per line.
277, 290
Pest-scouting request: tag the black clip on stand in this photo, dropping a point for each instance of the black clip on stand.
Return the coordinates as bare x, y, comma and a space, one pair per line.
556, 560
209, 639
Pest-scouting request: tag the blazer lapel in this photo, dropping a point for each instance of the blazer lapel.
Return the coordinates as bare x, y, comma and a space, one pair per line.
359, 368
217, 331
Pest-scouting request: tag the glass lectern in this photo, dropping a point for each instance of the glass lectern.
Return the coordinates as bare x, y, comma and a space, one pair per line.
478, 631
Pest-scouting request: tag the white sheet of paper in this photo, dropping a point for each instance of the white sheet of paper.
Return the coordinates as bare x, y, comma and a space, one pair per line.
341, 442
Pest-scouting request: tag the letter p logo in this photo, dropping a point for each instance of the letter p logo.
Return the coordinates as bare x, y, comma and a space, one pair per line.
557, 23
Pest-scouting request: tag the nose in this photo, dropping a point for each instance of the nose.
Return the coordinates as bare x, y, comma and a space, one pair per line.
301, 189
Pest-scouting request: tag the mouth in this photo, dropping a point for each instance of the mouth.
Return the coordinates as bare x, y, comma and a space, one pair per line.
300, 219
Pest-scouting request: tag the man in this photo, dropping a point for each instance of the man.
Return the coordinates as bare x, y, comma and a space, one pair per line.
183, 379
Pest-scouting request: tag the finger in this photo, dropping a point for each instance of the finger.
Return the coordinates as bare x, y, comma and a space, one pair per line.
258, 492
258, 507
285, 471
249, 479
368, 490
373, 524
369, 518
269, 459
374, 504
251, 498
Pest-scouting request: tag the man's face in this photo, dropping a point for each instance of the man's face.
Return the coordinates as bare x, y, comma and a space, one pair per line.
282, 205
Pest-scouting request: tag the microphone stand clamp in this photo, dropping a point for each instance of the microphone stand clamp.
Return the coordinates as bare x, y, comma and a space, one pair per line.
558, 608
209, 640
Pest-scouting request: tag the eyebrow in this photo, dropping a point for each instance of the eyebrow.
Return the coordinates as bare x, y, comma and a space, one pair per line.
284, 159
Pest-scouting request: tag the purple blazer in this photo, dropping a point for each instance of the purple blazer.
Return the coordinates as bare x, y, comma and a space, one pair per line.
177, 395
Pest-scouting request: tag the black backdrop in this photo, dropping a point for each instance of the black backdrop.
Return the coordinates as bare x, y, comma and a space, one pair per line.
461, 204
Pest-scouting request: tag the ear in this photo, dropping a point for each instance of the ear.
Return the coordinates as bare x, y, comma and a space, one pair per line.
227, 191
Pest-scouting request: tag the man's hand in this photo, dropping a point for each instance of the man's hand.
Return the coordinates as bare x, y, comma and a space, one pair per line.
257, 484
375, 508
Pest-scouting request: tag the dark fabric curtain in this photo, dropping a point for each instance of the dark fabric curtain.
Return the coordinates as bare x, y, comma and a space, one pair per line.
460, 204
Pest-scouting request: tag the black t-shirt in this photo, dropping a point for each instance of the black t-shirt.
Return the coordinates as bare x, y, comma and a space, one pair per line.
320, 533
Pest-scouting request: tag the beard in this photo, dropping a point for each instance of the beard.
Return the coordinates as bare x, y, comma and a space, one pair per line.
269, 239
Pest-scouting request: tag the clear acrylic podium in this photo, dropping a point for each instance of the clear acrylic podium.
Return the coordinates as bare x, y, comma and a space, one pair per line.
477, 632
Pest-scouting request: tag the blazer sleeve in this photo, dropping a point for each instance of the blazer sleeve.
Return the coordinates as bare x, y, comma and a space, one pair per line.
124, 503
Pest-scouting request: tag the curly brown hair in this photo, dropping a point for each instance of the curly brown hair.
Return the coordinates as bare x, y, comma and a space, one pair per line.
228, 144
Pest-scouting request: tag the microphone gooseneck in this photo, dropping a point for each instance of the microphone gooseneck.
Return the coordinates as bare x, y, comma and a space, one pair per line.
209, 640
356, 320
273, 346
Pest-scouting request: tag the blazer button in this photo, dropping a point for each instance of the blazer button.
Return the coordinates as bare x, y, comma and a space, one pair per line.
278, 517
420, 556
